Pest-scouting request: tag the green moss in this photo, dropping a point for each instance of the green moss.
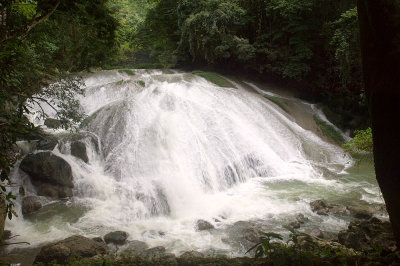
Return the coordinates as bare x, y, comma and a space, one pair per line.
278, 102
214, 78
130, 72
149, 66
141, 83
329, 130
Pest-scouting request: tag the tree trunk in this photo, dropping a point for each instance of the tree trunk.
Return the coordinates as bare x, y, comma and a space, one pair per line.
380, 46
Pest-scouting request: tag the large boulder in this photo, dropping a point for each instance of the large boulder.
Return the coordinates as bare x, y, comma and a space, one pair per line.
116, 237
78, 149
30, 204
360, 212
74, 246
368, 235
50, 174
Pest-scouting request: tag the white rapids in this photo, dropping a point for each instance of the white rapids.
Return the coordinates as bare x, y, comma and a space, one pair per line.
175, 149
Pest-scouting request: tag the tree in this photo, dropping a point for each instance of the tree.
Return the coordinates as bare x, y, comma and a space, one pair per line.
380, 47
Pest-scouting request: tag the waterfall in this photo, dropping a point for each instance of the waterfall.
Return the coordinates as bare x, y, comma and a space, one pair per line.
173, 148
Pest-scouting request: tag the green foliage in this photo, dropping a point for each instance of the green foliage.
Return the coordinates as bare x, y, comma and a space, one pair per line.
214, 78
39, 41
361, 143
141, 83
329, 130
130, 72
277, 101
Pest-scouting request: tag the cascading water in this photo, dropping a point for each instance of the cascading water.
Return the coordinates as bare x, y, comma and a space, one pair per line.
174, 148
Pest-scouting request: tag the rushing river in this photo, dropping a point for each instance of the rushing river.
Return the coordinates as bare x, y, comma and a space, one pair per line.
174, 148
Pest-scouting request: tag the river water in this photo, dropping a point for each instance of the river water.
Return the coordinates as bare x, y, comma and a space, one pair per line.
175, 148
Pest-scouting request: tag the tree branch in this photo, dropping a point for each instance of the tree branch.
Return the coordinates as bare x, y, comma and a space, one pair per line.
31, 25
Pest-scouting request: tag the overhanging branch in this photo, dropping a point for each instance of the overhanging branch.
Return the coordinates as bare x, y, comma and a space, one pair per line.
31, 25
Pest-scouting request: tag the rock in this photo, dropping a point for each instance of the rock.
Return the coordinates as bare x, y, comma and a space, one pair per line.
368, 235
79, 137
243, 235
251, 235
360, 212
136, 247
98, 239
30, 204
51, 175
202, 225
3, 213
158, 253
49, 168
320, 207
47, 142
301, 218
52, 123
310, 243
52, 191
295, 225
78, 149
6, 235
191, 254
317, 233
116, 237
74, 246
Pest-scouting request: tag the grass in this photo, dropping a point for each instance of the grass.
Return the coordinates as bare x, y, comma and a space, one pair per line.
329, 130
214, 78
277, 101
130, 72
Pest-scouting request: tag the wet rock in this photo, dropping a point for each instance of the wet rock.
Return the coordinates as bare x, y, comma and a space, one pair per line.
320, 207
75, 139
6, 235
52, 191
243, 235
98, 239
74, 246
361, 212
78, 149
317, 233
202, 225
311, 243
368, 235
191, 254
46, 142
30, 204
20, 256
158, 253
301, 218
295, 225
116, 237
48, 168
136, 247
52, 123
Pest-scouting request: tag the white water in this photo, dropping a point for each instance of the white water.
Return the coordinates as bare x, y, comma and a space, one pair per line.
181, 149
